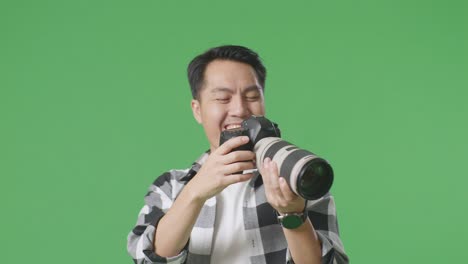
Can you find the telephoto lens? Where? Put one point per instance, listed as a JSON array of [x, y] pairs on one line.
[[307, 174]]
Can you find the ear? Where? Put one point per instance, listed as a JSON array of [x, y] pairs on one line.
[[196, 110]]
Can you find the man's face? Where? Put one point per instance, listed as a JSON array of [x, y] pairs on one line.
[[230, 93]]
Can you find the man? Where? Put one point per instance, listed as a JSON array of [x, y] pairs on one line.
[[210, 213]]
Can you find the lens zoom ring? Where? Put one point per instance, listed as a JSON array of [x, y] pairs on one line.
[[289, 162], [273, 149]]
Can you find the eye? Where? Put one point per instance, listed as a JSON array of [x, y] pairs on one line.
[[222, 99], [252, 98]]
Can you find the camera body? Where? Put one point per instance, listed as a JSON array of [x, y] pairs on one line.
[[256, 128]]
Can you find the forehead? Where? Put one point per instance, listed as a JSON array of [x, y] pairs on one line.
[[229, 74]]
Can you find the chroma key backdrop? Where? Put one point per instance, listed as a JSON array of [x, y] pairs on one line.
[[95, 104]]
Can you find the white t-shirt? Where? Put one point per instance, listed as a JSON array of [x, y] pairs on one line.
[[229, 239]]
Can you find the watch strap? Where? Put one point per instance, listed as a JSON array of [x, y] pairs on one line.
[[292, 220]]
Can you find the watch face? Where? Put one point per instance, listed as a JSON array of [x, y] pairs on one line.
[[292, 221]]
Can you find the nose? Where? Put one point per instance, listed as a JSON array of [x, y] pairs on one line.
[[239, 107]]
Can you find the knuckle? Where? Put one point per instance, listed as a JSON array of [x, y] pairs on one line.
[[236, 140], [238, 166], [236, 155], [239, 177]]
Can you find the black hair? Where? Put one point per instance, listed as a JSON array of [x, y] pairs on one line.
[[196, 68]]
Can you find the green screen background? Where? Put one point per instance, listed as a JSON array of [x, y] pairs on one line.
[[94, 105]]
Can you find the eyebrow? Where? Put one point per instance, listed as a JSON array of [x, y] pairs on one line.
[[225, 89], [221, 89]]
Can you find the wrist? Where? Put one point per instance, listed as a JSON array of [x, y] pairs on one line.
[[193, 195], [296, 209], [292, 220]]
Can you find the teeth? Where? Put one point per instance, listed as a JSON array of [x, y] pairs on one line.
[[233, 126]]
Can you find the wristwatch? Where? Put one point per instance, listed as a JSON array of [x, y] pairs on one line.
[[292, 220]]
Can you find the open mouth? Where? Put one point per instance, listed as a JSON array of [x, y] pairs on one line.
[[232, 126]]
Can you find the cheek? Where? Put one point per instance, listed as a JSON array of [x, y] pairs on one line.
[[258, 109], [214, 116]]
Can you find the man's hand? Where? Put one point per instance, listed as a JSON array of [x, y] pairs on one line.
[[277, 190], [217, 171]]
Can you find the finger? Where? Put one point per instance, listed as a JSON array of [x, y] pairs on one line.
[[274, 178], [235, 178], [238, 166], [286, 190], [231, 144], [271, 181], [264, 172], [241, 155]]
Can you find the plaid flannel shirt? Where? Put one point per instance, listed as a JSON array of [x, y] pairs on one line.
[[264, 234]]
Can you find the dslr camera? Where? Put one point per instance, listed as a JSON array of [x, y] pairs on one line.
[[308, 175]]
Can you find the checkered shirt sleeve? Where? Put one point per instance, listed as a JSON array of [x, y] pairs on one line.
[[322, 214], [140, 241]]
